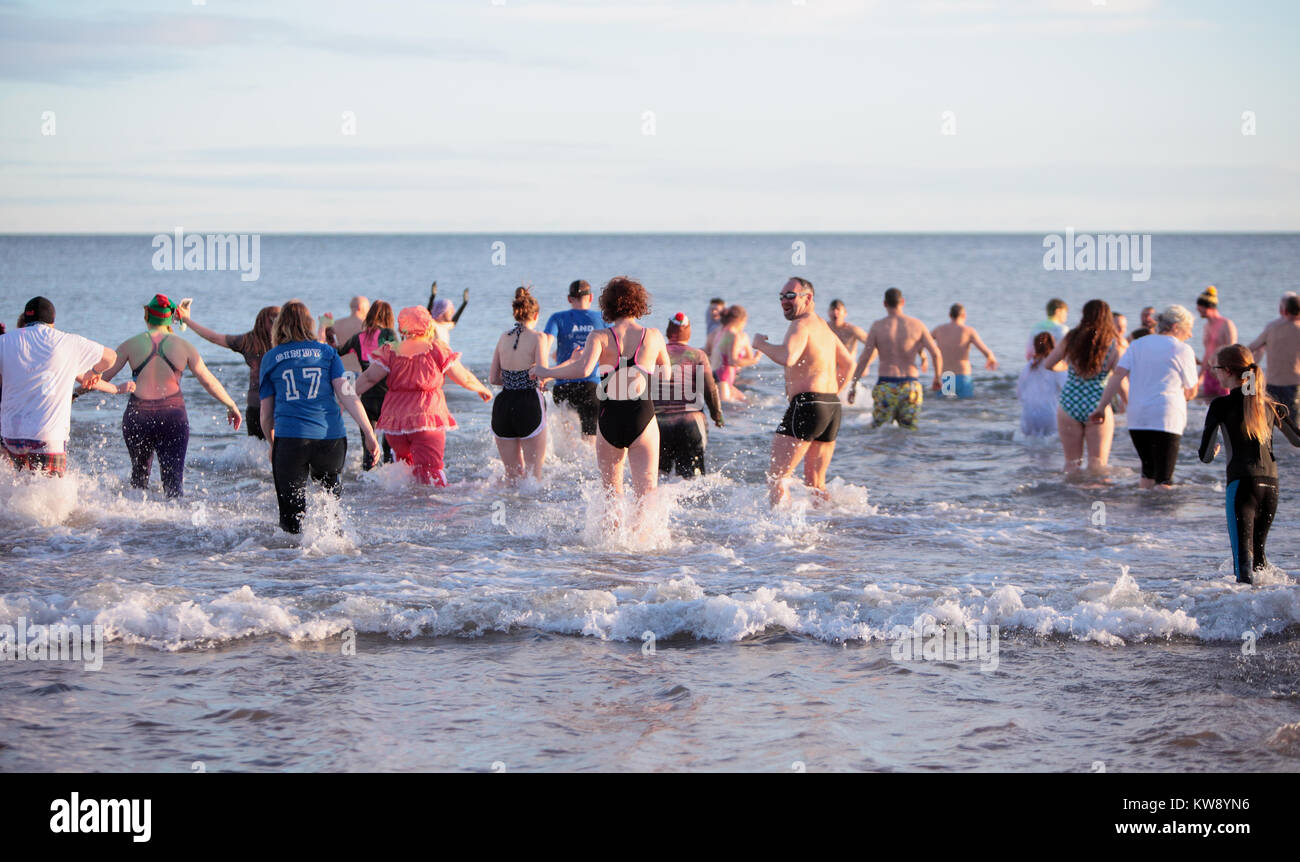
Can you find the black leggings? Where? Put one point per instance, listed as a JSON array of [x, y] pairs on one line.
[[1250, 504], [157, 425], [1159, 453], [293, 459], [682, 437]]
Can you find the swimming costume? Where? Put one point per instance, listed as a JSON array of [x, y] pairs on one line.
[[965, 386], [518, 412], [155, 351], [896, 399], [622, 420], [813, 416], [1210, 385], [727, 374], [157, 425], [1081, 395], [1158, 451]]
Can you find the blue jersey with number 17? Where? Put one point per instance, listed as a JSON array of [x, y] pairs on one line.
[[300, 375]]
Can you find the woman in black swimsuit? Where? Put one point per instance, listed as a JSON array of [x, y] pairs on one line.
[[1246, 416], [519, 412], [627, 355]]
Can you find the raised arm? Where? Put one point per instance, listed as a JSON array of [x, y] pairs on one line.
[[464, 301], [203, 332]]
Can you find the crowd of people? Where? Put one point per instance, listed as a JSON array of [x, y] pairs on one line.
[[641, 395]]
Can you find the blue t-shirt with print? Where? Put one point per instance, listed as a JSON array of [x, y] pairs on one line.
[[300, 375], [571, 329]]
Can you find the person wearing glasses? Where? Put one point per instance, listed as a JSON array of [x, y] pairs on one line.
[[897, 395], [816, 364]]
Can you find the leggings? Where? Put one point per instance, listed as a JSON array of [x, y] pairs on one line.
[[423, 450], [293, 459], [1251, 503], [157, 425]]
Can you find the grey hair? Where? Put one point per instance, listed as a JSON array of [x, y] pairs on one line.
[[1172, 317]]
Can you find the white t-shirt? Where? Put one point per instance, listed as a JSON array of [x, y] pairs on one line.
[[1159, 367], [40, 365]]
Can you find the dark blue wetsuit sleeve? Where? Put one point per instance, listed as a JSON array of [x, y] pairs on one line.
[[1212, 419]]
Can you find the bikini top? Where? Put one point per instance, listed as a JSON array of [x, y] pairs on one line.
[[517, 379], [156, 352]]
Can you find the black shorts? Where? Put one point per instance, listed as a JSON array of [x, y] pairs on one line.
[[253, 421], [812, 416], [518, 414], [581, 396], [1159, 453]]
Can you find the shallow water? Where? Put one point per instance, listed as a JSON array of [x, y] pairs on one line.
[[497, 625]]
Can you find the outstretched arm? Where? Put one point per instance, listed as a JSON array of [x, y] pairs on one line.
[[461, 375], [351, 403], [991, 361], [464, 301], [209, 382], [581, 364], [215, 337]]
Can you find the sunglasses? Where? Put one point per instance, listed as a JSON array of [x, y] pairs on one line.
[[789, 295]]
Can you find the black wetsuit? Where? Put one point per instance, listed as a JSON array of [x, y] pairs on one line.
[[1251, 493]]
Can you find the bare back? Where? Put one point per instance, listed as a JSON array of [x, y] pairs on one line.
[[955, 342], [157, 378], [1282, 352], [815, 349], [899, 339], [531, 349]]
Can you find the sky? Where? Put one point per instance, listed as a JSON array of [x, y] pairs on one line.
[[632, 115]]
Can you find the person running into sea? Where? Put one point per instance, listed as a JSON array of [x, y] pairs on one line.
[[897, 395], [815, 364], [415, 418], [717, 306], [570, 330], [156, 420], [681, 400], [377, 330], [444, 317], [955, 340], [252, 346], [1245, 418], [1090, 351], [519, 411], [629, 432], [1280, 342], [351, 323], [1161, 372], [736, 352], [302, 387], [39, 367], [1219, 333], [1039, 388]]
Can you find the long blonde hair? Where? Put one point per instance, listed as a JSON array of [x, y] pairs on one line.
[[294, 323], [1261, 410]]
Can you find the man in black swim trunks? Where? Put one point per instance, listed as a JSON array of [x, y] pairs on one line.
[[816, 367]]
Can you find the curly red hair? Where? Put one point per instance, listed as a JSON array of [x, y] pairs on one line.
[[624, 297]]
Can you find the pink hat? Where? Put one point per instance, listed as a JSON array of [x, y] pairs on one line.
[[414, 320]]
